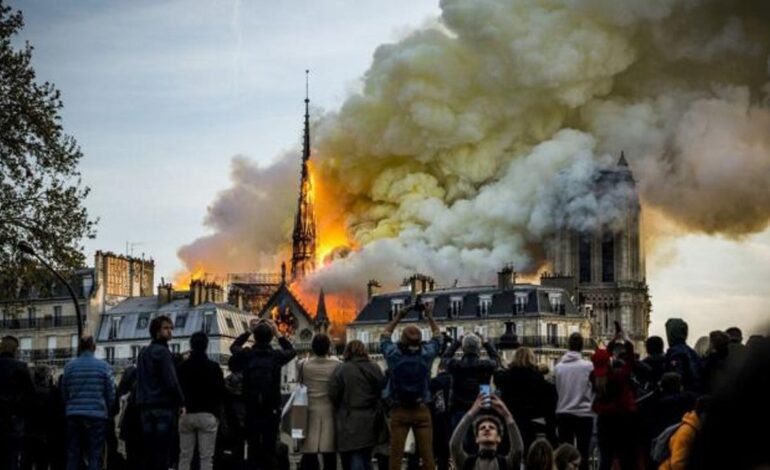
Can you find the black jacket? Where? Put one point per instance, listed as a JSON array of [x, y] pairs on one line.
[[245, 358], [468, 373], [203, 384], [16, 388], [156, 381]]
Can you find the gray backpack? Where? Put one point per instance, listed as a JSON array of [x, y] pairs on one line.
[[659, 450]]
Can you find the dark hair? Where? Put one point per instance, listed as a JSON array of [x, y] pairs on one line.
[[353, 349], [564, 455], [199, 341], [488, 418], [719, 340], [703, 404], [575, 342], [671, 382], [9, 345], [263, 333], [654, 345], [321, 344], [735, 334], [157, 323], [540, 456], [86, 343]]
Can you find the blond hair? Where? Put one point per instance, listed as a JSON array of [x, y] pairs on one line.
[[524, 357]]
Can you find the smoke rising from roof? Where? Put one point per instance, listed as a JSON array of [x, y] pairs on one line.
[[474, 138]]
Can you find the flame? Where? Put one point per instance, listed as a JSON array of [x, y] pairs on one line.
[[341, 308], [333, 236], [182, 279]]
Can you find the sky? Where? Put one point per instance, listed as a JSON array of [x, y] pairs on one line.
[[162, 95]]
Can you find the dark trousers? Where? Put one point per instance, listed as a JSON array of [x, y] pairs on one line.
[[418, 420], [616, 435], [85, 434], [11, 432], [359, 459], [576, 431], [159, 429], [37, 454], [310, 461], [261, 438]]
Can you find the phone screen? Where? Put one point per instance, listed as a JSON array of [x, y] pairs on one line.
[[484, 389]]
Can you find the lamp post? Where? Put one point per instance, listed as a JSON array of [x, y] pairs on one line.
[[27, 248]]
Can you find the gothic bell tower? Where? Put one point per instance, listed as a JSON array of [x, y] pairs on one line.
[[304, 237]]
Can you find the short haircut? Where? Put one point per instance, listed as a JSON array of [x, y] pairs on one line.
[[671, 382], [735, 334], [9, 344], [654, 345], [86, 343], [321, 344], [263, 333], [353, 349], [575, 342], [157, 323], [488, 418], [411, 336], [199, 341]]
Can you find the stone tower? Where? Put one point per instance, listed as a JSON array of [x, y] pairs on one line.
[[606, 265], [303, 257]]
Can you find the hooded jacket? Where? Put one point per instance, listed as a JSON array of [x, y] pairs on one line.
[[681, 358], [617, 393], [681, 443], [573, 385]]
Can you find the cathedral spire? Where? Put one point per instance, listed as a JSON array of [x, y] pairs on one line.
[[304, 236]]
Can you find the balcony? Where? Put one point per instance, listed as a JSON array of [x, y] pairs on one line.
[[46, 322], [56, 357]]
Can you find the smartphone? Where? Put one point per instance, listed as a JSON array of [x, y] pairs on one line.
[[485, 391]]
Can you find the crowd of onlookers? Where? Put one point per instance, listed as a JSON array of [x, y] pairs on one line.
[[668, 408]]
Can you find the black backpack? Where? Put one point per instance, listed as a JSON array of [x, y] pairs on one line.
[[260, 389], [410, 379]]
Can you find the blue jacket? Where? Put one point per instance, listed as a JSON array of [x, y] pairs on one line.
[[157, 385], [87, 387], [393, 354]]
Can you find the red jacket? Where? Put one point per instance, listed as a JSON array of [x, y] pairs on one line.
[[617, 393]]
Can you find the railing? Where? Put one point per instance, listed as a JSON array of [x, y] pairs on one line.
[[39, 323]]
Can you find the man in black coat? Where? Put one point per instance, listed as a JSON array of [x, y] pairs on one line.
[[261, 367], [16, 391], [158, 397]]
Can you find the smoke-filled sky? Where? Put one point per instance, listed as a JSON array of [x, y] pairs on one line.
[[451, 137]]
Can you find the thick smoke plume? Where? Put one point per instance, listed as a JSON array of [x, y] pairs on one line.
[[472, 140]]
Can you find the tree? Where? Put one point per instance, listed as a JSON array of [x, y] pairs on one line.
[[41, 193]]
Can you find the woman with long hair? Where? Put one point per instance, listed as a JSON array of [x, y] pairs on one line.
[[356, 391], [526, 394], [316, 374]]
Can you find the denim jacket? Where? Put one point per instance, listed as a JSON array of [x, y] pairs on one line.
[[429, 350]]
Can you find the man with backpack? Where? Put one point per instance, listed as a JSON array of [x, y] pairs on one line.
[[410, 364], [681, 358], [261, 366]]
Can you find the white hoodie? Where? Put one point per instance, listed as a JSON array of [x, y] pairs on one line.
[[573, 385]]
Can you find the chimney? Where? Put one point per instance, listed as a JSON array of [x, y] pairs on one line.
[[431, 284], [235, 297], [506, 278], [413, 284], [372, 289], [165, 293], [196, 292]]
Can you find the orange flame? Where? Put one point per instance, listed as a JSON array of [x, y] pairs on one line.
[[333, 236], [182, 279]]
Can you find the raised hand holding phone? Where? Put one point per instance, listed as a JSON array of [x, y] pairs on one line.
[[485, 390]]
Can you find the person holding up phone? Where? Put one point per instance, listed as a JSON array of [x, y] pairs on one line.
[[489, 425]]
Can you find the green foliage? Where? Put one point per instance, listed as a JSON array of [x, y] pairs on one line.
[[41, 194]]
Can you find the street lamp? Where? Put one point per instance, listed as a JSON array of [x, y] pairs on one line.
[[27, 248]]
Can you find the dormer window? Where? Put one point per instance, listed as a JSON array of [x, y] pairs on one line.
[[556, 302], [114, 327], [520, 302], [455, 306], [485, 303], [396, 306]]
